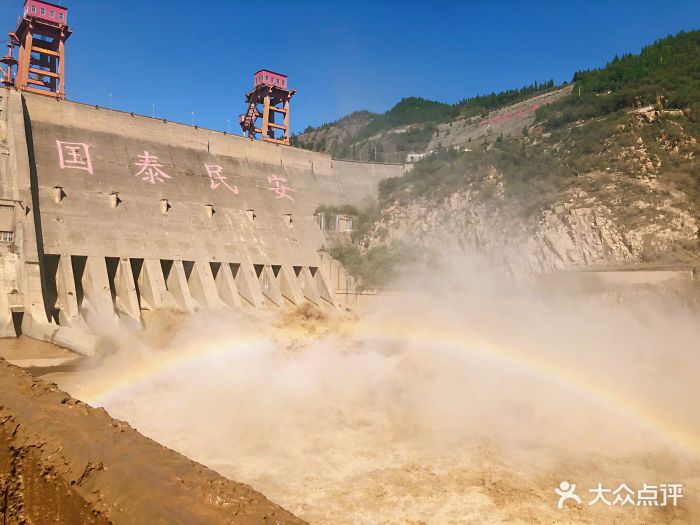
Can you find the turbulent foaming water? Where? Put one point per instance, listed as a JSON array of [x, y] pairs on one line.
[[461, 399]]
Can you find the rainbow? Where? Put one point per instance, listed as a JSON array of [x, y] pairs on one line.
[[181, 358]]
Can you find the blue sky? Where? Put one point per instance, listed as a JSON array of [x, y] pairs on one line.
[[199, 57]]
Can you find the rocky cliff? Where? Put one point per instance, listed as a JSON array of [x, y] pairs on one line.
[[604, 178], [582, 229]]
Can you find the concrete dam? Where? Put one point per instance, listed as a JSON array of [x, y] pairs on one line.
[[105, 214]]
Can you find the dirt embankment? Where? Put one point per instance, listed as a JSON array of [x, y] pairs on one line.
[[62, 461]]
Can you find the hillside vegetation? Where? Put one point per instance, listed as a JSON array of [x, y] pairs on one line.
[[405, 128], [621, 149], [667, 71]]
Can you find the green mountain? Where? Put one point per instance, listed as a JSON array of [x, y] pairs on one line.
[[604, 170], [408, 127], [665, 73]]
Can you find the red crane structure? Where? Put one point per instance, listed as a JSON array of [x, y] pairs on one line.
[[8, 63], [41, 36], [268, 98]]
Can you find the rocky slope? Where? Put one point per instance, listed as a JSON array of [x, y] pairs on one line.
[[602, 179], [417, 125], [507, 121], [601, 217], [330, 137], [582, 229]]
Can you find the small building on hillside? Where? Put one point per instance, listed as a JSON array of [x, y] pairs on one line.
[[414, 157]]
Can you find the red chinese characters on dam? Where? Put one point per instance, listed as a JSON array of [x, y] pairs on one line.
[[150, 169], [280, 188], [76, 155], [216, 178], [505, 118]]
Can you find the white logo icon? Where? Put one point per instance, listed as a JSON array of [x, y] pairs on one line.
[[566, 491]]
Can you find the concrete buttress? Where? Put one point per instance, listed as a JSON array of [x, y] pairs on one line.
[[308, 286], [226, 286], [203, 287], [97, 296], [179, 288], [289, 285]]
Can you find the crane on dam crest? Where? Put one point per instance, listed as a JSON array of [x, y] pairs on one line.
[[41, 36], [271, 94]]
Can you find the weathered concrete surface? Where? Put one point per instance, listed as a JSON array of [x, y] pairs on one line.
[[113, 214], [62, 461], [84, 223]]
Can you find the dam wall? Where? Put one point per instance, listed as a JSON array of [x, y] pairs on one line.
[[113, 213], [360, 176]]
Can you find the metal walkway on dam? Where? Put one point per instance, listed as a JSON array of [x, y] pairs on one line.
[[106, 214]]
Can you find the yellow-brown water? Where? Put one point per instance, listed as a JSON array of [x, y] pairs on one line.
[[463, 402]]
